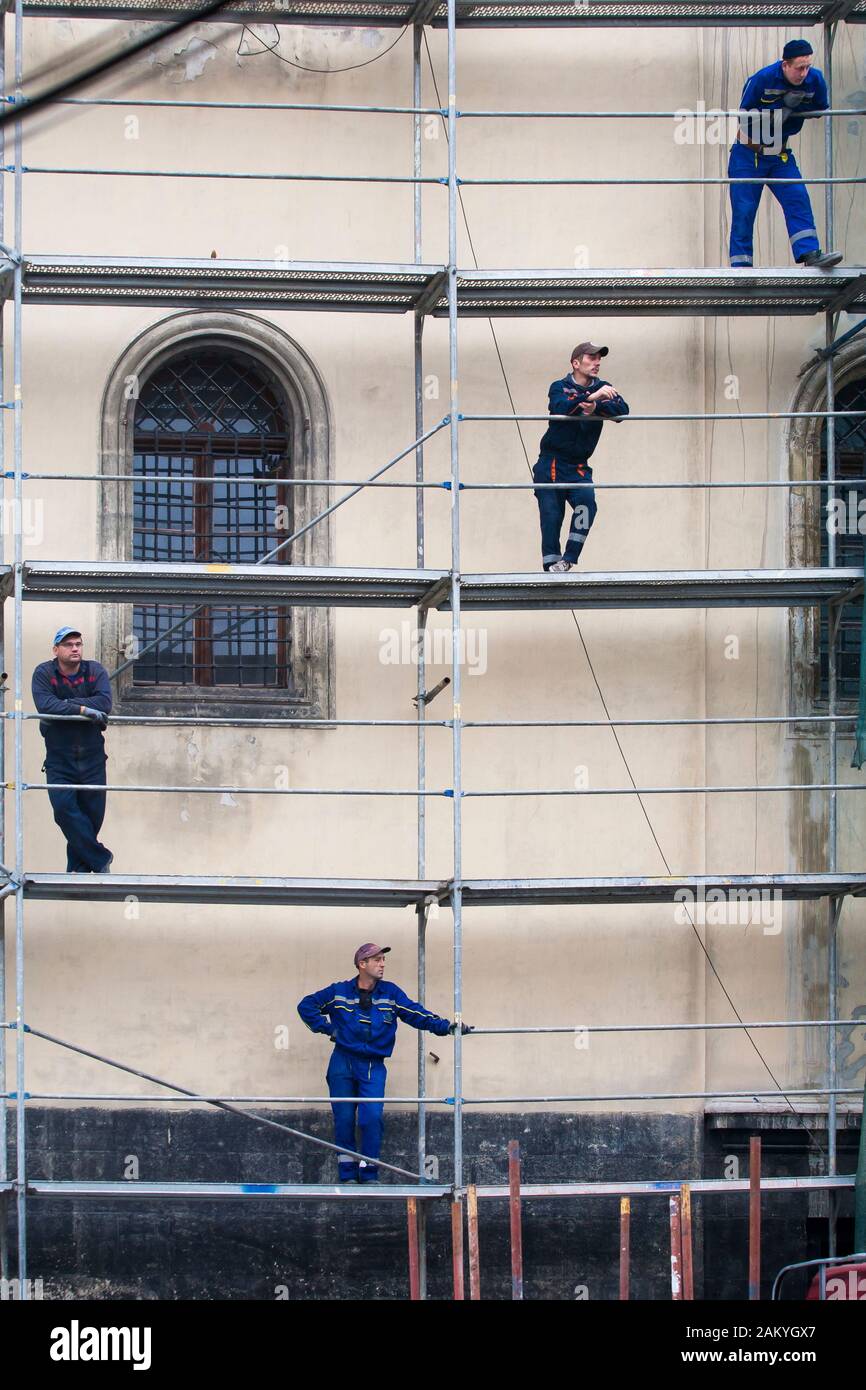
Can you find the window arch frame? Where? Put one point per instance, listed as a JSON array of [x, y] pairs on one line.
[[308, 418], [805, 518]]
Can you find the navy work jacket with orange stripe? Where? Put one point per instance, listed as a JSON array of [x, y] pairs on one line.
[[336, 1011], [577, 441]]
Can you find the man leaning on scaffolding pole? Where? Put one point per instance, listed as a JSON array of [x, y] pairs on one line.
[[360, 1017], [565, 451], [776, 101]]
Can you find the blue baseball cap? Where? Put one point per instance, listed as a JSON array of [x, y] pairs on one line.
[[65, 632]]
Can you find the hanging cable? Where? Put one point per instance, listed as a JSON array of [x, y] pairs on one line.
[[293, 63]]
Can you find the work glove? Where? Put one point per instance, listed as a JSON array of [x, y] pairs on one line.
[[95, 716], [464, 1028]]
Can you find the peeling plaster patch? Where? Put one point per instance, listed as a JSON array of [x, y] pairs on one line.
[[227, 800], [184, 815], [187, 61]]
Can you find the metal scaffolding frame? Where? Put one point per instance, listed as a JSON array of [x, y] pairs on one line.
[[443, 291]]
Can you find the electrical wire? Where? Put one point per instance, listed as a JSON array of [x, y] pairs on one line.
[[292, 63]]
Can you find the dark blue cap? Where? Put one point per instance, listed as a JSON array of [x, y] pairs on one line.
[[796, 48]]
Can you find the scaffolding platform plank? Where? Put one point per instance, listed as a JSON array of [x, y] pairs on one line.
[[399, 288], [210, 1191], [401, 893], [294, 586], [602, 290], [132, 582], [470, 13], [657, 589], [493, 892], [194, 283], [230, 890]]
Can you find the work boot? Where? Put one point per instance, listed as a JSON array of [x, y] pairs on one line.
[[822, 260], [106, 868]]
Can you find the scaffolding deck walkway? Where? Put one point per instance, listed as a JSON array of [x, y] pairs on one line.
[[136, 582], [399, 288], [474, 13], [482, 892]]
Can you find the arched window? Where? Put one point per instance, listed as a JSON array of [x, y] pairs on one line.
[[227, 409], [847, 517], [206, 415]]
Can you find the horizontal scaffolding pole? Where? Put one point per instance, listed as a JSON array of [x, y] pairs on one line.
[[138, 1190], [183, 720], [782, 1093], [534, 182], [126, 102], [747, 719], [669, 791], [588, 183], [682, 415], [698, 113], [444, 484], [678, 1027], [252, 178], [704, 1187], [839, 485], [446, 791], [316, 1192]]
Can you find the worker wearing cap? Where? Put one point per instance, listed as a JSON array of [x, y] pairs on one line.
[[566, 449], [777, 100], [360, 1017], [74, 748]]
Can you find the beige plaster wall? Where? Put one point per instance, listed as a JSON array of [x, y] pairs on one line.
[[197, 993]]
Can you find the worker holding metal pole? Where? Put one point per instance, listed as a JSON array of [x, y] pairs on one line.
[[75, 748], [774, 104], [565, 451], [360, 1017]]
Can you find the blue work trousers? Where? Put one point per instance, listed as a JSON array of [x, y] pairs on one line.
[[551, 507], [745, 197], [349, 1075], [79, 814]]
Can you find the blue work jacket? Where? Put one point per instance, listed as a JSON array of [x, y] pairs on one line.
[[336, 1011], [577, 441], [770, 90]]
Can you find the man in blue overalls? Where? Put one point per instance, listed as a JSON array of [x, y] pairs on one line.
[[566, 449], [777, 98], [360, 1017], [75, 748]]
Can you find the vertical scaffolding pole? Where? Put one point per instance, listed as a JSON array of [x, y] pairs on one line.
[[418, 32], [832, 630], [454, 406], [4, 1109], [21, 1155]]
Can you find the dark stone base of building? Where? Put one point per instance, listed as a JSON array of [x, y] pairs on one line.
[[268, 1248]]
